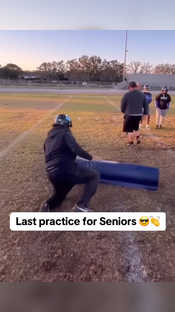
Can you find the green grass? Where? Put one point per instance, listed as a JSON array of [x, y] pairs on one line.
[[32, 95], [86, 104], [78, 102]]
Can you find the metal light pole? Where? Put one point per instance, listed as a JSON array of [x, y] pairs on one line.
[[126, 43]]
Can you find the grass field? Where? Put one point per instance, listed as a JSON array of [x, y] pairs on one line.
[[85, 256]]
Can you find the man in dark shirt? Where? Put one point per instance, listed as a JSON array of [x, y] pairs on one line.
[[61, 149], [133, 106], [163, 101]]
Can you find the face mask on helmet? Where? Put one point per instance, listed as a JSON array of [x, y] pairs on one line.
[[164, 89], [146, 88], [63, 120]]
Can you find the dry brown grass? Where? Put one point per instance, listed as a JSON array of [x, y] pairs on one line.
[[55, 256], [18, 115]]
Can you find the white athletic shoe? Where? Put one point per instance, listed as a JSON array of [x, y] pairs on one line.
[[44, 207], [140, 126], [147, 127], [81, 208]]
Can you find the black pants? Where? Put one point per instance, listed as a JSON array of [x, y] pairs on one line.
[[65, 177]]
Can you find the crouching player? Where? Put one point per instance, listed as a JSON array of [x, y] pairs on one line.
[[61, 149]]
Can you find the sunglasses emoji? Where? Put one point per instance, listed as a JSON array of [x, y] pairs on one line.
[[144, 221]]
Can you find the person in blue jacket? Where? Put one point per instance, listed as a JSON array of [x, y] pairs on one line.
[[148, 95]]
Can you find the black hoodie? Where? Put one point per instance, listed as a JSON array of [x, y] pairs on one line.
[[61, 146]]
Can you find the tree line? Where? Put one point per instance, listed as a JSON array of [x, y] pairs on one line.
[[85, 68], [147, 68]]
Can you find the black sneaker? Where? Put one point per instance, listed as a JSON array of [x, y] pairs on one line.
[[157, 127], [129, 143], [81, 208], [160, 127], [138, 141], [44, 207]]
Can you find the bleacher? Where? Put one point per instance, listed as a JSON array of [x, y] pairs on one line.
[[154, 81]]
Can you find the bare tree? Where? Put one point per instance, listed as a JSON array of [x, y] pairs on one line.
[[138, 67], [146, 68], [134, 67], [165, 69]]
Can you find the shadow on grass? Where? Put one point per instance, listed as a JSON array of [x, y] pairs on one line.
[[172, 129], [163, 136]]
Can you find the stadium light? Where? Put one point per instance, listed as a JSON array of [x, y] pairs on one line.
[[126, 43]]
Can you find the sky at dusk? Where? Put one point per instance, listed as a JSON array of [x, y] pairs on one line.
[[29, 48]]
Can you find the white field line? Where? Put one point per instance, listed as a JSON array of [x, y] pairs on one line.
[[171, 152], [160, 143], [26, 133], [153, 137], [110, 102], [132, 256], [137, 272], [131, 253]]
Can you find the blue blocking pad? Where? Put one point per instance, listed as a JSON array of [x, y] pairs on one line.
[[124, 175]]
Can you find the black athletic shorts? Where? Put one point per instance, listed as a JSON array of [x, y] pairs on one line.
[[131, 123]]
